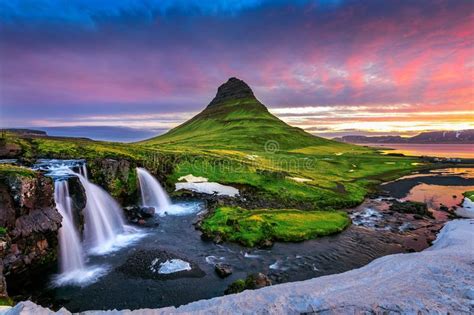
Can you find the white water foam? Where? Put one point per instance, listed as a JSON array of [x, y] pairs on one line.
[[152, 194]]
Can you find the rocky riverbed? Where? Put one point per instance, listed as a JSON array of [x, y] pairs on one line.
[[436, 280]]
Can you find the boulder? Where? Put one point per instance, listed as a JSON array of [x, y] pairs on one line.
[[257, 281], [223, 270], [252, 282]]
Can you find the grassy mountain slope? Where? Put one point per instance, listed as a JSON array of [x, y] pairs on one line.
[[236, 120], [236, 140]]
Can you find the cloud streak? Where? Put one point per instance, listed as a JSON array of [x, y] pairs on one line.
[[63, 63]]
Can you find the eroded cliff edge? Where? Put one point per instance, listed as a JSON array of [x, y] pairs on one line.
[[438, 280]]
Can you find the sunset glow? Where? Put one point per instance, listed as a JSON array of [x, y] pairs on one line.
[[331, 67]]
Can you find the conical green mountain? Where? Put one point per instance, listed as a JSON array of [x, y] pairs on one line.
[[235, 119]]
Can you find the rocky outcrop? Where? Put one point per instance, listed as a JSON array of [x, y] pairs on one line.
[[438, 280], [29, 222], [231, 90], [223, 270], [117, 176]]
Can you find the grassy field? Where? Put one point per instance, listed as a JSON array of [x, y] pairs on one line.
[[251, 228], [469, 195]]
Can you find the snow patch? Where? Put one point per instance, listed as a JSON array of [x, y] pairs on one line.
[[209, 188], [467, 209], [190, 178], [170, 266]]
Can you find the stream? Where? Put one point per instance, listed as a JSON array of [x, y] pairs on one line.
[[130, 280]]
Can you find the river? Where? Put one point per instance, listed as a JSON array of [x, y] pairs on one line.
[[130, 283]]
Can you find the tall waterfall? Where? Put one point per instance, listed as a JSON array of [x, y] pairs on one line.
[[70, 248], [153, 195], [103, 216]]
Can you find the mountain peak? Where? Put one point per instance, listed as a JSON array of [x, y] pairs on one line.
[[233, 89]]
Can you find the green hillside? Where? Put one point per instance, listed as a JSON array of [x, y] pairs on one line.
[[236, 120], [236, 140]]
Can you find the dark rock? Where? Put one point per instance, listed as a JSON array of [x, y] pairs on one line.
[[218, 239], [30, 220], [443, 208], [257, 281], [3, 283], [413, 207], [117, 176], [252, 282], [141, 215], [223, 270], [231, 90], [266, 244], [139, 265]]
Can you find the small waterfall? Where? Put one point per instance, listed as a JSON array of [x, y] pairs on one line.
[[83, 171], [70, 248], [153, 195], [103, 216]]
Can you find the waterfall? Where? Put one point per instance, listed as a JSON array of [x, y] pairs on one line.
[[70, 248], [153, 195], [83, 170], [103, 217]]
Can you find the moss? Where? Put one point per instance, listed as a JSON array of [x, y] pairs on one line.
[[6, 301], [469, 195], [252, 228], [6, 169], [236, 287]]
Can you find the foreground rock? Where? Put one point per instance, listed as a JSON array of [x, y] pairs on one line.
[[29, 225], [437, 280], [223, 270]]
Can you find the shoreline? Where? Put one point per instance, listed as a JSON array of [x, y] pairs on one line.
[[438, 279]]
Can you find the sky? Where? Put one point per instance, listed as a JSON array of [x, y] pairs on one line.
[[123, 69]]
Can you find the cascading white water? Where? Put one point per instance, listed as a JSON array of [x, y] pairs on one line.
[[153, 195], [83, 170], [103, 217], [70, 248]]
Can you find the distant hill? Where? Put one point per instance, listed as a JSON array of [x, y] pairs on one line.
[[25, 132], [235, 119], [446, 137]]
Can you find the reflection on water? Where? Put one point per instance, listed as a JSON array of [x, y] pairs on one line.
[[438, 150], [436, 195], [462, 172]]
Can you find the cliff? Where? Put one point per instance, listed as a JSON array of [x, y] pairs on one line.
[[29, 223]]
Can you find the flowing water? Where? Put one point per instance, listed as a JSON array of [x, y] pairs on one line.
[[152, 194], [71, 254], [103, 216], [104, 224], [131, 281]]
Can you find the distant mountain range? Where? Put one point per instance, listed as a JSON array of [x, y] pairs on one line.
[[446, 137]]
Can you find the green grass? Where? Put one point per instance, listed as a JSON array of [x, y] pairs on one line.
[[6, 301], [6, 169], [469, 195], [251, 228]]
